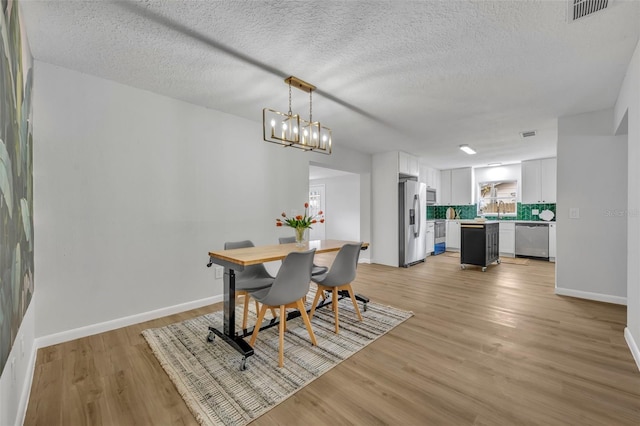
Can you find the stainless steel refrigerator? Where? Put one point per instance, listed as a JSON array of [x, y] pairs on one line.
[[413, 222]]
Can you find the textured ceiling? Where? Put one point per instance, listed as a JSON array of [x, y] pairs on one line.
[[418, 76]]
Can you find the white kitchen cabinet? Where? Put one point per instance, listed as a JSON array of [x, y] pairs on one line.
[[444, 198], [433, 178], [461, 185], [430, 238], [408, 164], [507, 239], [422, 177], [453, 235], [530, 182], [548, 180], [456, 187], [552, 241], [539, 181], [429, 176]]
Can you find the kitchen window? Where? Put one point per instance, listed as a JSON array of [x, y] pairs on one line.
[[497, 198]]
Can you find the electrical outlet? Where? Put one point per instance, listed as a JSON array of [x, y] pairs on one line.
[[574, 213], [535, 212], [219, 271]]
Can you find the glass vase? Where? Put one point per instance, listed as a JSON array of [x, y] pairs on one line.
[[301, 237]]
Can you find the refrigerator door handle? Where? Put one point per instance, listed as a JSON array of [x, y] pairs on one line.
[[416, 201]]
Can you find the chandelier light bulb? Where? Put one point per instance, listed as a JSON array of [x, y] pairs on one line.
[[273, 123], [295, 130], [284, 126]]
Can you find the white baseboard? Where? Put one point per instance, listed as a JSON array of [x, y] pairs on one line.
[[361, 260], [632, 346], [26, 388], [598, 297], [77, 333]]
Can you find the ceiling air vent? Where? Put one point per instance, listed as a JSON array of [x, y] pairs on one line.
[[581, 8], [528, 134]]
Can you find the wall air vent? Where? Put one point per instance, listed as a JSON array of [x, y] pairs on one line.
[[581, 8], [528, 134]]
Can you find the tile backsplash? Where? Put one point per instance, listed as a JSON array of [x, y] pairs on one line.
[[470, 211]]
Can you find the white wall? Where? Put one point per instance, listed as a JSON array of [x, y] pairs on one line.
[[384, 202], [627, 118], [133, 189], [592, 176], [342, 207]]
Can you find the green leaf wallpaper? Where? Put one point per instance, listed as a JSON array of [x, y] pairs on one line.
[[16, 177]]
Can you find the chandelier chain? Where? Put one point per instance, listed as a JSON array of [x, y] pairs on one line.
[[290, 113], [310, 106]]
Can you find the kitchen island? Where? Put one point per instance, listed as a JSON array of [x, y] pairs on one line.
[[479, 243]]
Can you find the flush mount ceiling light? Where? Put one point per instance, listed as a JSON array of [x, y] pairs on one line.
[[494, 164], [467, 149], [288, 129]]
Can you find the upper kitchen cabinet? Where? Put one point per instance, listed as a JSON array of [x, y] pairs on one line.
[[430, 176], [444, 196], [408, 165], [461, 184], [539, 181], [456, 186]]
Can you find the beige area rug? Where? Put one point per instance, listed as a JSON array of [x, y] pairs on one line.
[[208, 375], [510, 260]]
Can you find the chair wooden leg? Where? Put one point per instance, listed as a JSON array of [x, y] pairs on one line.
[[307, 323], [256, 329], [353, 300], [273, 313], [334, 302], [283, 316], [315, 302]]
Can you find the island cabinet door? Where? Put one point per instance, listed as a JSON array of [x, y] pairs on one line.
[[473, 245], [493, 243]]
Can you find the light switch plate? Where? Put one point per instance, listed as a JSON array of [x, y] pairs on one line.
[[574, 213], [219, 271]]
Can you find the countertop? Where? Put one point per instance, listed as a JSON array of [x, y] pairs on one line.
[[477, 222], [493, 221]]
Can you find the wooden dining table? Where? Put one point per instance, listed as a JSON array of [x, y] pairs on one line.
[[236, 260]]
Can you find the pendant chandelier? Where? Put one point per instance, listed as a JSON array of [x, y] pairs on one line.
[[288, 129]]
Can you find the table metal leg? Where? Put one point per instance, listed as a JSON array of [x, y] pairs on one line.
[[228, 333], [229, 324]]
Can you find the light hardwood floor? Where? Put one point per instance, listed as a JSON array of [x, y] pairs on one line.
[[492, 348]]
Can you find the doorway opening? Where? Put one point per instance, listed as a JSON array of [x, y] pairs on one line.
[[337, 194]]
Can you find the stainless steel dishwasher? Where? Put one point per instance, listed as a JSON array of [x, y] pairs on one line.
[[532, 240]]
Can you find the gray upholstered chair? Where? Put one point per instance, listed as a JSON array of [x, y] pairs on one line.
[[339, 277], [316, 270], [254, 277], [288, 290]]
